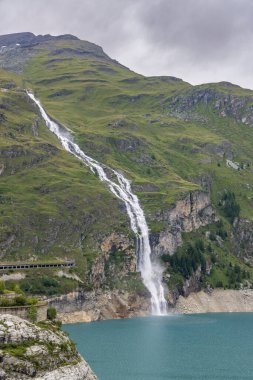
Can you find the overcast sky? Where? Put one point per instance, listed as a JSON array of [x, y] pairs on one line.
[[197, 40]]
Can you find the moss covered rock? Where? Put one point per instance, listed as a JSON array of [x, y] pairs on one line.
[[39, 352]]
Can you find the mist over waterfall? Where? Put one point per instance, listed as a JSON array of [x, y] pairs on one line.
[[151, 272]]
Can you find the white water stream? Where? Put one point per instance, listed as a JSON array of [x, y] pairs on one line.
[[151, 272]]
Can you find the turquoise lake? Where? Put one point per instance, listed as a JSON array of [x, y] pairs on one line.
[[206, 346]]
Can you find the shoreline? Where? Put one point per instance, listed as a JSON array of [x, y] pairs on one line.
[[216, 301]]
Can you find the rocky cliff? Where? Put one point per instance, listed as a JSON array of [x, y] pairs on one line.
[[243, 238], [222, 101], [188, 214], [41, 353], [98, 305]]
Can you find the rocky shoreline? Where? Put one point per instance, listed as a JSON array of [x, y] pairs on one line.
[[99, 305], [115, 306], [41, 352], [216, 301]]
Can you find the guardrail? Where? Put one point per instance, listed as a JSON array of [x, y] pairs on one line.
[[67, 264]]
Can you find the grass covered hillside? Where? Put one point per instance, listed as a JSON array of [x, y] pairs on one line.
[[158, 130], [51, 206], [168, 137]]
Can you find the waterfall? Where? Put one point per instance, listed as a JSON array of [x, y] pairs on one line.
[[151, 272]]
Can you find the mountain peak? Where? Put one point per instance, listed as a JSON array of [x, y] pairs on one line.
[[28, 38]]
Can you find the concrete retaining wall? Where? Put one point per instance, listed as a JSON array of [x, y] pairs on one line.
[[23, 311]]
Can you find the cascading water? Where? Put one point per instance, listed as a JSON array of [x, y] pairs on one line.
[[151, 272]]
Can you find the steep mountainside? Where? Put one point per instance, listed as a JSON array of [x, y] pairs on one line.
[[186, 149]]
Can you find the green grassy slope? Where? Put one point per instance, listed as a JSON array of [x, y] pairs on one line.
[[129, 122], [51, 205], [110, 109]]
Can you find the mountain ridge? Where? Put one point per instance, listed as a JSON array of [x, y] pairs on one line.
[[26, 38]]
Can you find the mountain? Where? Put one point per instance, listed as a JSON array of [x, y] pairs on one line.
[[186, 149]]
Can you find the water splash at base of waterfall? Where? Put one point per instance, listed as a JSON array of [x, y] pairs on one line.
[[151, 272]]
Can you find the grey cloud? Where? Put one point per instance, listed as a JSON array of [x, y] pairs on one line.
[[202, 28], [198, 40]]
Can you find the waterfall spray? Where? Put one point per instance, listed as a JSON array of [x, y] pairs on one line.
[[151, 272]]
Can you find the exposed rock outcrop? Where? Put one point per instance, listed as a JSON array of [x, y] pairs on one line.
[[99, 305], [190, 213], [243, 238], [28, 351], [225, 104], [117, 258]]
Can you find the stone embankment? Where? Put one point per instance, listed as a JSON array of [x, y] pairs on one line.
[[30, 352], [23, 311]]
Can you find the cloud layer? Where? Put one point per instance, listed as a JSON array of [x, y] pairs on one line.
[[197, 40]]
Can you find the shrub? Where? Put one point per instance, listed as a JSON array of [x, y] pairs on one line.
[[221, 230], [188, 261], [2, 287], [51, 313], [236, 275], [17, 289], [5, 302], [212, 236], [32, 313], [213, 258], [32, 301], [222, 233], [58, 324], [48, 282], [199, 245], [229, 206], [219, 284], [20, 300]]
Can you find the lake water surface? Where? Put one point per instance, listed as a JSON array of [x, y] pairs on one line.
[[205, 346]]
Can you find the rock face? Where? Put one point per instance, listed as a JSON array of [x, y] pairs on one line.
[[243, 237], [28, 351], [190, 213], [99, 305], [117, 258], [239, 108]]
